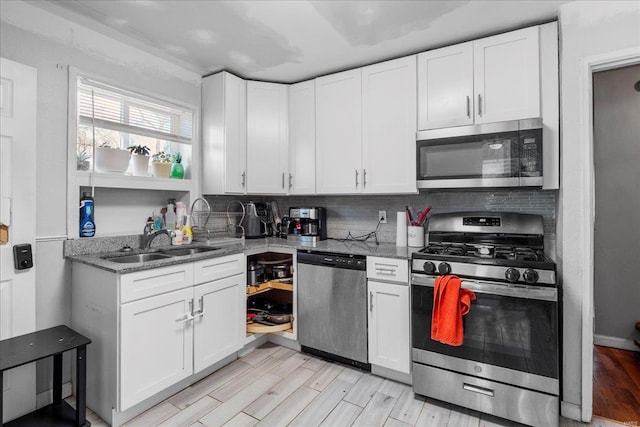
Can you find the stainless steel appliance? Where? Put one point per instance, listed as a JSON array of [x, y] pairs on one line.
[[257, 220], [504, 154], [332, 307], [508, 364], [307, 225]]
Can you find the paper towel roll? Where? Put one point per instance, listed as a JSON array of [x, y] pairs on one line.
[[401, 229]]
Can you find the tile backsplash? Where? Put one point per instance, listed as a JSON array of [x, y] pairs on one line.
[[358, 214]]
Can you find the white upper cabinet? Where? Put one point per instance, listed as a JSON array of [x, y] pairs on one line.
[[446, 87], [339, 133], [224, 134], [487, 80], [507, 76], [267, 138], [388, 126], [302, 138]]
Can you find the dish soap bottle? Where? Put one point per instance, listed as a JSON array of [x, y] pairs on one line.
[[170, 217], [87, 223]]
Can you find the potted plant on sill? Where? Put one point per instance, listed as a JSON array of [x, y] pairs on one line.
[[82, 160], [177, 169], [111, 159], [161, 165], [139, 160]]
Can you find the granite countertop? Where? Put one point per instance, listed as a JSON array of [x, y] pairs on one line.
[[387, 250]]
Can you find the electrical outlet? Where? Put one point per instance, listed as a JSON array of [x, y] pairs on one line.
[[382, 217]]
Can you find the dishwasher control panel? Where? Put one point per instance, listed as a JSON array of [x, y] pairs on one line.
[[352, 262]]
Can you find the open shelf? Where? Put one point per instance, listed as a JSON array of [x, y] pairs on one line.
[[257, 328], [267, 286]]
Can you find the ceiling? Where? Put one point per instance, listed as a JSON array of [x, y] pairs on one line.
[[289, 41]]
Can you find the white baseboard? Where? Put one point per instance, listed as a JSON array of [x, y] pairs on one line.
[[46, 397], [570, 410], [614, 342]]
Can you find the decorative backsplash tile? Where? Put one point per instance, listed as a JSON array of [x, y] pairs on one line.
[[359, 214]]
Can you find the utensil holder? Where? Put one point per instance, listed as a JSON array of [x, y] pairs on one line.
[[415, 236]]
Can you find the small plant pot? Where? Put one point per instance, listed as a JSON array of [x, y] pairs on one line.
[[177, 171], [140, 164], [160, 169], [111, 160]]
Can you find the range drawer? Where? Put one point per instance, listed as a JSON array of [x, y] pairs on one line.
[[388, 269], [491, 397], [218, 268]]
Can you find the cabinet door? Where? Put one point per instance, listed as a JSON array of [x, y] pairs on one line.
[[267, 140], [156, 345], [224, 134], [302, 138], [507, 76], [219, 320], [389, 344], [339, 133], [389, 126], [445, 87]]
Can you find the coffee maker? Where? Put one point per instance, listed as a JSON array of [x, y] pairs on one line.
[[307, 225]]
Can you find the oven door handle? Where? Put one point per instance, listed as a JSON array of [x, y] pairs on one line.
[[507, 290]]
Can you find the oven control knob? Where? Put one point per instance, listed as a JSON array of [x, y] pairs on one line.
[[530, 276], [429, 267], [512, 274], [444, 268]]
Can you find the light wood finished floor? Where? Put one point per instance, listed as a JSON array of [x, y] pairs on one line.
[[275, 386], [616, 384]]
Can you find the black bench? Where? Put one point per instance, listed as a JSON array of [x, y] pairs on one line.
[[23, 349]]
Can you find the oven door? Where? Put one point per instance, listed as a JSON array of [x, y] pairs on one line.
[[510, 334]]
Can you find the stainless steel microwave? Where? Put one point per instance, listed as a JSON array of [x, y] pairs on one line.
[[504, 154]]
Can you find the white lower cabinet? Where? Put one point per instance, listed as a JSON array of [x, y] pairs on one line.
[[388, 303], [156, 345], [151, 329], [218, 329]]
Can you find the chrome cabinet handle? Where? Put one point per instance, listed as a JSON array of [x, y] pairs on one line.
[[387, 271], [476, 389], [283, 180], [244, 176], [370, 301], [290, 181], [479, 105], [468, 107], [364, 178], [356, 178], [200, 311]]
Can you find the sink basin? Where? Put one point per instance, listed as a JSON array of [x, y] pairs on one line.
[[187, 251], [128, 259]]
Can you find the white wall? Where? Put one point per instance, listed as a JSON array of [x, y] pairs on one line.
[[586, 28], [34, 37]]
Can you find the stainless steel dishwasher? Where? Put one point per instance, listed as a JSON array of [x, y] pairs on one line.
[[332, 306]]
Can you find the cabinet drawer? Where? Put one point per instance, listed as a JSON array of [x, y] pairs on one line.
[[143, 284], [218, 268], [388, 269]]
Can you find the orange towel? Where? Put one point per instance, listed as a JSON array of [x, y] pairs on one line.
[[450, 303]]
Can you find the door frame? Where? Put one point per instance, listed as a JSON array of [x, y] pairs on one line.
[[589, 66]]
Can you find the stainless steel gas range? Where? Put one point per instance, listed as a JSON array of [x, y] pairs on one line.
[[508, 364]]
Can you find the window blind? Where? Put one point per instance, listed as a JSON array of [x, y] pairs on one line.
[[116, 109]]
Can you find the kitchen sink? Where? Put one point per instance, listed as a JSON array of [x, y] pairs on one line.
[[128, 259], [187, 251]]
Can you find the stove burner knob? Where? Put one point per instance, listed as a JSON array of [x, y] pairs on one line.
[[429, 267], [444, 268], [512, 275], [530, 276]]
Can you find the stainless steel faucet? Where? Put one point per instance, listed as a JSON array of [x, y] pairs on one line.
[[148, 237]]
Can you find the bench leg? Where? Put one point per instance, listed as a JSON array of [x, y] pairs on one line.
[[81, 386], [57, 378]]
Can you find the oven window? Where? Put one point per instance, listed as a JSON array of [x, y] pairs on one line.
[[514, 333], [491, 156]]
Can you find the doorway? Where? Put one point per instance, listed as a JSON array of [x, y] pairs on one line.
[[616, 154]]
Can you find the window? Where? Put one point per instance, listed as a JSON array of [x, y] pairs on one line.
[[116, 118]]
